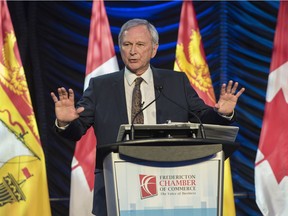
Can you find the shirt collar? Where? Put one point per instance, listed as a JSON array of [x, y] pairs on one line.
[[130, 77]]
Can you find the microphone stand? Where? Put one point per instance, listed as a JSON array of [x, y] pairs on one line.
[[201, 126], [159, 89], [132, 127]]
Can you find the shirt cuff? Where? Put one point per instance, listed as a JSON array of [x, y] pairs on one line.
[[228, 117], [60, 128]]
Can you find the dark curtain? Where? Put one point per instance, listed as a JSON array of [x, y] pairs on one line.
[[238, 41]]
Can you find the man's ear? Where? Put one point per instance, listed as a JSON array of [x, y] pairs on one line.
[[154, 50]]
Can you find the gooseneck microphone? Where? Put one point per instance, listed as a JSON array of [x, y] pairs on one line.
[[201, 126], [132, 128]]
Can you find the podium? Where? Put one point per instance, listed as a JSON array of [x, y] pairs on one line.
[[167, 170]]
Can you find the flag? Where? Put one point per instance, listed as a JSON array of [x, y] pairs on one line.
[[23, 180], [101, 59], [190, 58], [271, 164]]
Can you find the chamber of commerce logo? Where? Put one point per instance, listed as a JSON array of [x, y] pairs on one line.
[[148, 186]]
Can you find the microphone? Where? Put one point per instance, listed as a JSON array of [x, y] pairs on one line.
[[201, 126], [132, 128]]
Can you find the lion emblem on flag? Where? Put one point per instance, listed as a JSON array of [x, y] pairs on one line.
[[194, 64]]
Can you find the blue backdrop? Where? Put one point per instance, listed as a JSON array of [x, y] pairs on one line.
[[238, 41]]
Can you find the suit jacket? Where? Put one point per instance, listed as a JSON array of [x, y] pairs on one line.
[[105, 109]]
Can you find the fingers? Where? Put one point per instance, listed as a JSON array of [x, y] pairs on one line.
[[234, 88], [71, 94], [63, 95], [226, 89], [223, 89], [240, 92], [231, 89], [229, 86], [80, 109], [54, 98]]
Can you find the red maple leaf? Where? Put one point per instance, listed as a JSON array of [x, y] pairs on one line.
[[274, 136]]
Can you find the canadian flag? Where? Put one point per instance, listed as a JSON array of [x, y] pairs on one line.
[[271, 165], [101, 59]]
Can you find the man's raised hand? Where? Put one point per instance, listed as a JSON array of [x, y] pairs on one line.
[[65, 110], [228, 98]]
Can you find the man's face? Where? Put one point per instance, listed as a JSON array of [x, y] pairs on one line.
[[137, 49]]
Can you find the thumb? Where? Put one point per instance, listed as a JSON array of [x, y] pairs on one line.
[[79, 110]]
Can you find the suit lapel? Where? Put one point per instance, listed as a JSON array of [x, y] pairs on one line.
[[120, 98], [158, 81]]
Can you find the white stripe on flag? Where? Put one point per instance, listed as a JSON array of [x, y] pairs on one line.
[[271, 197], [82, 206], [105, 68]]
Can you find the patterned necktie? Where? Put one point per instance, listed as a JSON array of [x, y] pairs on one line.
[[136, 103]]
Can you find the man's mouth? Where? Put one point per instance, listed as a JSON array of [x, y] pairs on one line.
[[133, 60]]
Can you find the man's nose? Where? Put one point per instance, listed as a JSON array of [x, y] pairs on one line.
[[133, 49]]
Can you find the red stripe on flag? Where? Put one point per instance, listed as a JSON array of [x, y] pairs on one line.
[[85, 154], [280, 50], [101, 47]]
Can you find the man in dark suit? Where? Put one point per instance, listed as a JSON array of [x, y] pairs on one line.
[[106, 104]]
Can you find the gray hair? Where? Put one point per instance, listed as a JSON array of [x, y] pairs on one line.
[[136, 22]]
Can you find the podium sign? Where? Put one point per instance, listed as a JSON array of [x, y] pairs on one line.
[[167, 169], [147, 188]]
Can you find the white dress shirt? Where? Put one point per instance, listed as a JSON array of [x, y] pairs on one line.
[[147, 91]]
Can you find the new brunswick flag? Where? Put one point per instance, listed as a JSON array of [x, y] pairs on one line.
[[23, 182], [190, 58]]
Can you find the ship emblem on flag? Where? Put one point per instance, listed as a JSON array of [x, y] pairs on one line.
[[11, 189]]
